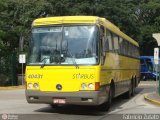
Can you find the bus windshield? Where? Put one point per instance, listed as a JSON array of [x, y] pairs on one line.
[[64, 45]]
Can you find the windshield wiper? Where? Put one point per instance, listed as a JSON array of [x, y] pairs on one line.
[[44, 59], [73, 59]]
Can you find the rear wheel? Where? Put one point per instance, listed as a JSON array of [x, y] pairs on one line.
[[128, 94], [133, 87]]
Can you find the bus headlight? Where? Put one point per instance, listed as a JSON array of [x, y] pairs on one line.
[[91, 86], [84, 86], [35, 85], [30, 85]]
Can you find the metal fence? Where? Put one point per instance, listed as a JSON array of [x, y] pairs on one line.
[[8, 70]]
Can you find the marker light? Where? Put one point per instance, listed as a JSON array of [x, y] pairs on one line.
[[84, 86], [91, 86], [30, 85], [97, 86], [35, 85]]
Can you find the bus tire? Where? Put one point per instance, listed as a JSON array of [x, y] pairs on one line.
[[133, 87], [106, 106], [128, 94]]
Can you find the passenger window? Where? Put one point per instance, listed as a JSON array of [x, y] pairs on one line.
[[109, 38], [105, 44], [129, 49], [116, 43], [121, 45], [137, 52], [125, 48]]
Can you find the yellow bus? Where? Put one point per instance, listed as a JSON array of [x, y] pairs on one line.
[[80, 60]]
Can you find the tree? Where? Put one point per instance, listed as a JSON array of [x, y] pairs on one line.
[[148, 18], [16, 18], [137, 18]]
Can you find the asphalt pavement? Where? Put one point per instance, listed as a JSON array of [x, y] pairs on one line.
[[14, 106]]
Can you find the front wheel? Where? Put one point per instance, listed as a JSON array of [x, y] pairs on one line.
[[105, 106]]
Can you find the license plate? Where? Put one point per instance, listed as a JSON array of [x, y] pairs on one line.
[[59, 101]]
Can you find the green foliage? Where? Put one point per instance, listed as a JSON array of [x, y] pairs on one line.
[[137, 18], [148, 17]]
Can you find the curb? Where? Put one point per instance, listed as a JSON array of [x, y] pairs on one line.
[[12, 87], [151, 100]]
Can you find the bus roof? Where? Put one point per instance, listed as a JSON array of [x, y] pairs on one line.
[[82, 20]]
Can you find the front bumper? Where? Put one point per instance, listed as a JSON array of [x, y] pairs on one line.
[[74, 98]]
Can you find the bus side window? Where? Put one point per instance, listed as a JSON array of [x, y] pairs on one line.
[[121, 45], [116, 43], [106, 41], [126, 52], [132, 50], [109, 39], [137, 52], [129, 49], [103, 42]]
